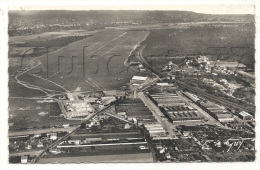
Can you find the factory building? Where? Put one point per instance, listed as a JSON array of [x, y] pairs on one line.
[[225, 64], [217, 112], [76, 108], [155, 130], [117, 93], [136, 81], [136, 111], [166, 99], [191, 96], [245, 116], [181, 114]]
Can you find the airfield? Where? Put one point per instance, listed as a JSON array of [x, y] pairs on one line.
[[105, 59]]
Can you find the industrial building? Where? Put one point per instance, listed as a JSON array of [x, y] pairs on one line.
[[181, 114], [116, 93], [216, 111], [191, 96], [225, 64], [245, 116], [155, 130], [137, 80], [76, 108], [203, 59], [135, 110], [166, 99]]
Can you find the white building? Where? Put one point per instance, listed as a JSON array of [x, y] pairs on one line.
[[24, 159], [245, 116]]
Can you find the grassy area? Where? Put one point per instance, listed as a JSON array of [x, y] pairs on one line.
[[26, 113], [55, 42], [110, 50]]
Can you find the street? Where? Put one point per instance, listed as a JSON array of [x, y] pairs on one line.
[[157, 114]]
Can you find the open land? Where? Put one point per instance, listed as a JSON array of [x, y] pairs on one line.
[[34, 115], [196, 40], [110, 51]]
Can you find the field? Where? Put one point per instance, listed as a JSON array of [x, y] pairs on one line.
[[104, 62], [30, 113], [47, 36], [195, 40]]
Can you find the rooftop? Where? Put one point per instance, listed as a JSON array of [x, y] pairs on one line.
[[139, 78], [243, 113]]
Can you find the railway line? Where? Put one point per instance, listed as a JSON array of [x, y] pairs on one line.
[[201, 93]]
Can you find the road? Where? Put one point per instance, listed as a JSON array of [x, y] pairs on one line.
[[157, 113], [28, 132]]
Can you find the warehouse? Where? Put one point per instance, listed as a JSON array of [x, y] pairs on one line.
[[116, 93], [217, 112], [225, 64], [192, 97], [245, 116], [155, 130], [166, 99], [181, 114], [136, 111]]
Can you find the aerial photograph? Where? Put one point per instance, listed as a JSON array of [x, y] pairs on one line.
[[131, 86]]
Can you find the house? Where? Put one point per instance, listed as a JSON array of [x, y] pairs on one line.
[[75, 142], [24, 159], [66, 125], [53, 136], [127, 126], [168, 156], [36, 135], [29, 147], [40, 145]]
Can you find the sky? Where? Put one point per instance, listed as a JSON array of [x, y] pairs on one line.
[[208, 9]]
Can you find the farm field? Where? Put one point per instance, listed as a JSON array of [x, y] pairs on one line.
[[105, 54]]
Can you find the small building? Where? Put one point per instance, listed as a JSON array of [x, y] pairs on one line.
[[66, 125], [75, 142], [70, 97], [24, 159], [245, 116], [10, 124], [135, 120], [92, 140], [53, 136], [203, 59], [40, 145], [127, 126], [29, 147]]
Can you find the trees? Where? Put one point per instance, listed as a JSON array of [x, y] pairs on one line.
[[83, 125]]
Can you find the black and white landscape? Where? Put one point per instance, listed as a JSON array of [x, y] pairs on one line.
[[91, 86]]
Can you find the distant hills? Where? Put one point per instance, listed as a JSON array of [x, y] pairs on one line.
[[109, 18]]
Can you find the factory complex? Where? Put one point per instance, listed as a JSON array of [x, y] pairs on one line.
[[181, 114]]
